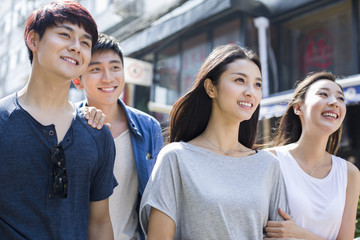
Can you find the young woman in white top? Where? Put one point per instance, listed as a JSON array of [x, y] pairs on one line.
[[323, 190], [209, 183]]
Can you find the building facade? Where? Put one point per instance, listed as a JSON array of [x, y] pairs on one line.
[[291, 37]]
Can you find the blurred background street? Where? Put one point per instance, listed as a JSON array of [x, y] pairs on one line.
[[166, 41]]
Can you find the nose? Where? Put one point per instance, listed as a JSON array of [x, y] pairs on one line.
[[333, 101], [75, 46], [249, 91], [106, 77]]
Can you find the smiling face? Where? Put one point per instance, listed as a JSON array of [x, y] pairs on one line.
[[323, 107], [103, 81], [238, 92], [63, 50]]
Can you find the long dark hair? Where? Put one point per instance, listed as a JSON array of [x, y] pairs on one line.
[[191, 113], [289, 130]]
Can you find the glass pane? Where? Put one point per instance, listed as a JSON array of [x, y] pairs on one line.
[[194, 54], [227, 33], [320, 40], [167, 72]]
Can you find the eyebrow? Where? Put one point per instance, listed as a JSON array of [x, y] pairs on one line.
[[86, 35], [96, 63], [340, 92], [244, 75]]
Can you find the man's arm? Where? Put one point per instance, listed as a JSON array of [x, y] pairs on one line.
[[100, 227]]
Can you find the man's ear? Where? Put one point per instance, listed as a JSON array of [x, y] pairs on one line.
[[32, 40], [210, 89], [77, 82]]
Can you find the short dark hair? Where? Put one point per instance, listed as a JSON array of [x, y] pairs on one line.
[[106, 42], [58, 12], [290, 129], [191, 113]]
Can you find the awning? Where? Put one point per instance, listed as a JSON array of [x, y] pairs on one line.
[[275, 106], [147, 31]]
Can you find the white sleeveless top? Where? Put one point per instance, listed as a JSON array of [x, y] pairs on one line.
[[315, 204]]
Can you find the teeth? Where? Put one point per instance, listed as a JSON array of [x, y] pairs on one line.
[[244, 104], [108, 89], [70, 60], [332, 115]]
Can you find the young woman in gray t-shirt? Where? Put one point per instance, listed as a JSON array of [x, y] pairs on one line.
[[209, 182]]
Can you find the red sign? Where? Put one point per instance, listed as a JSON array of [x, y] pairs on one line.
[[316, 51]]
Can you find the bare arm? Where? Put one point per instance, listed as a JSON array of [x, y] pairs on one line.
[[347, 228], [288, 229], [100, 227], [161, 226]]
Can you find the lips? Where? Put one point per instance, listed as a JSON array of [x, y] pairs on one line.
[[70, 60]]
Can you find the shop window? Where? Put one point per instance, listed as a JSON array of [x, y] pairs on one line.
[[251, 35], [319, 40], [194, 54], [166, 82], [227, 33], [167, 74]]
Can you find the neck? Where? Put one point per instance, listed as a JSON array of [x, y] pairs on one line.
[[224, 136], [46, 92], [311, 149]]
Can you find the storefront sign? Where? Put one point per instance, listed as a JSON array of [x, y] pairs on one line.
[[138, 72]]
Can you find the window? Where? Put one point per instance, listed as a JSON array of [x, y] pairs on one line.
[[227, 33], [194, 54], [167, 73], [319, 40]]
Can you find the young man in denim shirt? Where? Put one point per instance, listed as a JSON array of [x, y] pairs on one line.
[[57, 171], [137, 135]]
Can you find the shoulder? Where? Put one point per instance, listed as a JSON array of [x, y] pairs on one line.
[[265, 159], [169, 157], [83, 127], [172, 152], [8, 103], [353, 173], [7, 107], [172, 148], [140, 116]]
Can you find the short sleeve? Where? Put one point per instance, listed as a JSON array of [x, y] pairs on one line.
[[104, 181], [158, 139], [278, 196], [163, 188]]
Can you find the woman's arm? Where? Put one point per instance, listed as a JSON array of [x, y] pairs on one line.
[[347, 228], [161, 226], [288, 229]]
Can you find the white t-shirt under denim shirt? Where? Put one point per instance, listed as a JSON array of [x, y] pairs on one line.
[[210, 196], [123, 202]]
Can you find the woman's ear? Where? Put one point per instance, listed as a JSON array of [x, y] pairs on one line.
[[297, 109], [210, 89]]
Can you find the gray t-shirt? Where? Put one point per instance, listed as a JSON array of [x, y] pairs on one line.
[[210, 196]]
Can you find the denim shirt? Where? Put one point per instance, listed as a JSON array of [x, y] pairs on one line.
[[146, 139]]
